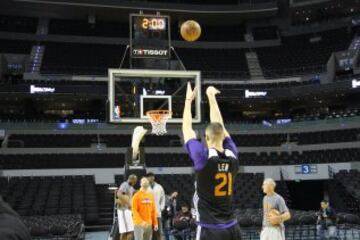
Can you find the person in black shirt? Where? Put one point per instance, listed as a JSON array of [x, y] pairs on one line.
[[183, 223], [11, 227], [326, 222], [168, 213]]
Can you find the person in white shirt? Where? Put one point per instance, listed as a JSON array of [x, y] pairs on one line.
[[160, 199]]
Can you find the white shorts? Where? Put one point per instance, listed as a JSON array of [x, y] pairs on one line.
[[125, 220], [272, 233]]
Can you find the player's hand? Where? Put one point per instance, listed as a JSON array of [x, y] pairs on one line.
[[156, 228], [274, 220], [212, 91], [174, 195], [144, 224], [190, 93], [119, 202]]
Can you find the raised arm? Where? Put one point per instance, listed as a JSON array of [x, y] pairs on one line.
[[188, 132], [215, 114], [138, 134]]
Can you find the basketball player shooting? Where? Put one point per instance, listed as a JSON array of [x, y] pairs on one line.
[[215, 168]]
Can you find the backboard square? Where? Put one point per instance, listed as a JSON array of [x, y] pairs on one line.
[[127, 89]]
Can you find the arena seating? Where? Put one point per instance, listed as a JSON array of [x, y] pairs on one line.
[[258, 140], [18, 24], [300, 54], [64, 227], [350, 112], [53, 161], [263, 86], [309, 115], [316, 156], [265, 33], [333, 136], [51, 140], [149, 140], [247, 190], [32, 196], [230, 62], [351, 181], [341, 199], [84, 28], [15, 46], [181, 183], [85, 140], [85, 59], [81, 59], [167, 160]]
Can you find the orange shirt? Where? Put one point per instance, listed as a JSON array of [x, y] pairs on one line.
[[143, 208]]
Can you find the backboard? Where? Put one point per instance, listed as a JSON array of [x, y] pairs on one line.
[[133, 92]]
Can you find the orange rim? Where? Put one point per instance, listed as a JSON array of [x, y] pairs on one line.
[[158, 115]]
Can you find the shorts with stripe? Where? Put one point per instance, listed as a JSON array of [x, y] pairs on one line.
[[125, 221]]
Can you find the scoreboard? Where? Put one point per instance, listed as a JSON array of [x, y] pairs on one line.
[[149, 36]]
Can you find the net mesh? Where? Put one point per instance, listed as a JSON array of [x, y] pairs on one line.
[[158, 119]]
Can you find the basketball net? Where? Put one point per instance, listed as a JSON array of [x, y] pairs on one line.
[[158, 119]]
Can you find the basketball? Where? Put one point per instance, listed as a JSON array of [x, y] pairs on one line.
[[273, 213], [123, 200], [190, 30]]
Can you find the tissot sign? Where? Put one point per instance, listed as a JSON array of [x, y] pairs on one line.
[[141, 52]]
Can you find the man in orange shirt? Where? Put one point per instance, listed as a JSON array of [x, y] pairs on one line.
[[144, 212]]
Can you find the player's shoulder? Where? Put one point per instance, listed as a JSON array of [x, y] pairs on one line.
[[230, 153], [158, 187], [124, 184], [278, 197]]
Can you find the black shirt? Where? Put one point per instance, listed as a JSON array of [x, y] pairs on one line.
[[214, 188]]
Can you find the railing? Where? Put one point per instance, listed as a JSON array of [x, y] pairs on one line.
[[236, 75], [296, 125], [296, 232], [294, 72], [304, 232], [316, 124]]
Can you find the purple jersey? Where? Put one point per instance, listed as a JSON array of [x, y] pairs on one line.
[[215, 174], [199, 153]]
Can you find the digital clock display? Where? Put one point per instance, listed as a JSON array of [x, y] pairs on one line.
[[153, 23]]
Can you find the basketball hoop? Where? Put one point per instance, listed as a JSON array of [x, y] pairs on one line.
[[158, 119]]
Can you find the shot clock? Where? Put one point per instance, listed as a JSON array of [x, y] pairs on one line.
[[153, 23], [149, 36]]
